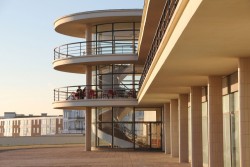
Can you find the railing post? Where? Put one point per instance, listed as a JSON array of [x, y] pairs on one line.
[[96, 47], [59, 53], [67, 95], [58, 95], [54, 95], [67, 50], [81, 49]]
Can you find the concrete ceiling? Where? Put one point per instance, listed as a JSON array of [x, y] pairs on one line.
[[215, 37], [152, 12]]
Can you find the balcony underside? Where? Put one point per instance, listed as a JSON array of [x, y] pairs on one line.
[[75, 24], [82, 104], [76, 64], [206, 40]]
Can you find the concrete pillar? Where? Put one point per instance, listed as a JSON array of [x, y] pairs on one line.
[[88, 37], [88, 80], [88, 129], [183, 128], [167, 128], [196, 127], [174, 130], [215, 122], [244, 113]]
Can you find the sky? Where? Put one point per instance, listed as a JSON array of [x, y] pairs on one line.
[[27, 40]]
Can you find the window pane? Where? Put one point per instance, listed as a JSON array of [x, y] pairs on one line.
[[123, 114], [104, 114], [148, 114], [123, 135], [123, 26], [104, 27]]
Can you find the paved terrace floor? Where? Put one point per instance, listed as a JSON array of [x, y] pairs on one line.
[[75, 156]]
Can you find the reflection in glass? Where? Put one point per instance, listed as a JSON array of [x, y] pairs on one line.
[[234, 107], [148, 114], [205, 133], [142, 135], [104, 114], [155, 135], [104, 134], [123, 135], [123, 114], [128, 127], [189, 134], [226, 132]]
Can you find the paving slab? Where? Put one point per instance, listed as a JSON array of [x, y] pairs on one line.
[[75, 156]]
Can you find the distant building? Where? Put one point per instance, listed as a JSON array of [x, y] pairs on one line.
[[14, 125], [73, 121]]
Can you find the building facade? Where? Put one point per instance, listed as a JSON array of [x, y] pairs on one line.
[[20, 125], [174, 76], [73, 122]]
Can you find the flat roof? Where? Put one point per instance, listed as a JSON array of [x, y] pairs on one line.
[[74, 25]]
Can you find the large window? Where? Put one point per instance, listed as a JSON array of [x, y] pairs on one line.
[[127, 127], [231, 121], [115, 38], [116, 80]]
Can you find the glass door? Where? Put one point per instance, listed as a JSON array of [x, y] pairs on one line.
[[148, 135], [155, 135]]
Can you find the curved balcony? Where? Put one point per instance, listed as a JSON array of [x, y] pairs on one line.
[[71, 57], [93, 96]]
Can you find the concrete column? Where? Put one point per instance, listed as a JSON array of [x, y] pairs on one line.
[[244, 113], [88, 37], [196, 127], [174, 130], [167, 128], [88, 129], [215, 122], [183, 128], [88, 88], [88, 80]]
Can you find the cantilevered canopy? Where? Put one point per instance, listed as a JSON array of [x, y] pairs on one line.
[[204, 38], [74, 24]]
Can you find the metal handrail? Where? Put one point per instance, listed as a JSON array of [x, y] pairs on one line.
[[96, 92], [76, 49], [166, 16]]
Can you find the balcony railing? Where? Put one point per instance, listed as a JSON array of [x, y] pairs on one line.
[[166, 16], [126, 46], [96, 92]]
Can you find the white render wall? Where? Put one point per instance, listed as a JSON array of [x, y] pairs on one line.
[[7, 127], [48, 125]]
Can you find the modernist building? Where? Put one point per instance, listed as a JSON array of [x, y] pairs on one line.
[[193, 62], [15, 125]]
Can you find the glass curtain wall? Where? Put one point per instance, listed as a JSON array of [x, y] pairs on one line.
[[116, 80], [189, 134], [204, 126], [231, 130], [127, 127], [115, 38], [205, 133], [231, 121]]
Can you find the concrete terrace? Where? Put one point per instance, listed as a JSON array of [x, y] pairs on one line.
[[76, 156]]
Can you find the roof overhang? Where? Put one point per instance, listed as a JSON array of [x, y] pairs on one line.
[[205, 38], [74, 25]]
